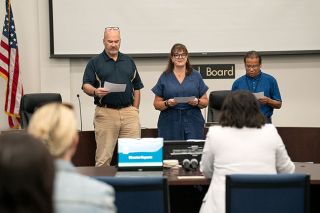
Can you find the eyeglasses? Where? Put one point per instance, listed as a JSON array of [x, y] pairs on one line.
[[112, 28], [253, 66], [183, 55]]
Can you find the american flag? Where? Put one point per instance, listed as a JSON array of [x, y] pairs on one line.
[[9, 68]]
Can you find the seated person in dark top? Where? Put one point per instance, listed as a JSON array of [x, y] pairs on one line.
[[26, 175]]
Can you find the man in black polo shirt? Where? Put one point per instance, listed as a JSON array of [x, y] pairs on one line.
[[116, 115]]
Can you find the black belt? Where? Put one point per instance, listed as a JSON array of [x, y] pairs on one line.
[[113, 106]]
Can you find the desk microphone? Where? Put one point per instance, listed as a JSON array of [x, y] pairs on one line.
[[186, 164], [194, 164], [78, 96], [190, 164]]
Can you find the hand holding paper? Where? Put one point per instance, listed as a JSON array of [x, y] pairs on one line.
[[261, 98], [184, 99], [258, 95], [111, 87]]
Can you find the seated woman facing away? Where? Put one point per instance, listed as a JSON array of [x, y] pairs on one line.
[[243, 143], [55, 124]]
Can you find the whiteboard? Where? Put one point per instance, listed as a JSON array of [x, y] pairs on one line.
[[151, 27]]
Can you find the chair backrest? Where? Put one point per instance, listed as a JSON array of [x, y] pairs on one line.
[[280, 193], [139, 194], [30, 102], [216, 99]]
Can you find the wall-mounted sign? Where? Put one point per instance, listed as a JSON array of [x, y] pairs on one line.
[[216, 71]]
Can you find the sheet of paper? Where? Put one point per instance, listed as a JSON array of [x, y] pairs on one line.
[[184, 99], [111, 87], [191, 177], [258, 95], [195, 140]]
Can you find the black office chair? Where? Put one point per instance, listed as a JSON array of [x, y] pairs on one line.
[[282, 193], [216, 99], [30, 102], [139, 194]]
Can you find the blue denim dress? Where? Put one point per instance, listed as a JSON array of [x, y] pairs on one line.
[[183, 121]]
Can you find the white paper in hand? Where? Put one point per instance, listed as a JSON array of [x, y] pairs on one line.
[[111, 87], [184, 99], [258, 95]]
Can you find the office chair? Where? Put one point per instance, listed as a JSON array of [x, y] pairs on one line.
[[30, 102], [139, 194], [216, 99], [282, 193]]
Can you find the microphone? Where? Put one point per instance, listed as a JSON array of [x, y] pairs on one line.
[[186, 164], [190, 164], [194, 163], [78, 96]]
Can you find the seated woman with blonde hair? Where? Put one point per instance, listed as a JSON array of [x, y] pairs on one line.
[[55, 124]]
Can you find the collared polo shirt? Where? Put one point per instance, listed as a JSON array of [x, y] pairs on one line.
[[122, 71]]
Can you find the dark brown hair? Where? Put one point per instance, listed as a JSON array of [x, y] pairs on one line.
[[252, 54], [241, 109], [178, 48], [26, 174]]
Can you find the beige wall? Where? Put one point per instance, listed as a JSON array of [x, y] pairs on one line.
[[298, 76]]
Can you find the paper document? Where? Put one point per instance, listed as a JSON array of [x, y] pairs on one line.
[[184, 99], [195, 140], [111, 87], [258, 95], [191, 177], [139, 174]]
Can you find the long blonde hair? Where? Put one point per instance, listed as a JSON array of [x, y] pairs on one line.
[[55, 124]]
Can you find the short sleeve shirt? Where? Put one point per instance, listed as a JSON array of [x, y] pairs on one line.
[[262, 83], [123, 71], [169, 87]]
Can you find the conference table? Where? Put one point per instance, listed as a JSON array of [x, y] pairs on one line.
[[302, 144], [187, 188]]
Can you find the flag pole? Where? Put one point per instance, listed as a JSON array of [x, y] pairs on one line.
[[9, 18]]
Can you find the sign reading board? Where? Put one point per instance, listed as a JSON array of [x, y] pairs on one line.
[[216, 71]]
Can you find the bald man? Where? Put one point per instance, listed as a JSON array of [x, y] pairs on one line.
[[117, 113]]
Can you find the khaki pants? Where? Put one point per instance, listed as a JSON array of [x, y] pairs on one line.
[[111, 124]]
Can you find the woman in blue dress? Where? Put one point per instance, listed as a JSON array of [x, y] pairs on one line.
[[180, 93]]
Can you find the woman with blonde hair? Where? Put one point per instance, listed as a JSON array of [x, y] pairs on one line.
[[55, 124]]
